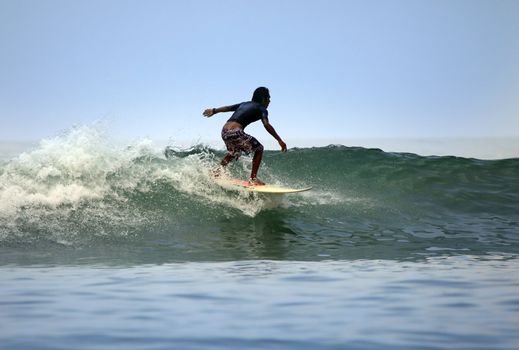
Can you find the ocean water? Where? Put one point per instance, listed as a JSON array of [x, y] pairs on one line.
[[109, 246]]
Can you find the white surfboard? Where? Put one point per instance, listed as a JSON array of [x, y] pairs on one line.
[[242, 184]]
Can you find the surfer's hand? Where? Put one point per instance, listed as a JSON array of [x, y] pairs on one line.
[[208, 112], [283, 146]]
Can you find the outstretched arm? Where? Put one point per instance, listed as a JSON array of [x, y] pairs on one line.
[[273, 132], [212, 111]]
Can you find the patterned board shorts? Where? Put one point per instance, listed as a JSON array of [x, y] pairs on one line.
[[237, 141]]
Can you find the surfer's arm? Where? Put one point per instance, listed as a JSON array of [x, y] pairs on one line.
[[274, 134], [212, 111]]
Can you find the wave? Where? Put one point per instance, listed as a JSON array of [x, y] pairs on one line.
[[82, 186]]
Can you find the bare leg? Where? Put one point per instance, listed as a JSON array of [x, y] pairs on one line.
[[226, 160], [256, 161]]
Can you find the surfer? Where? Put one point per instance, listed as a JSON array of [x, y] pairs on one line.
[[236, 140]]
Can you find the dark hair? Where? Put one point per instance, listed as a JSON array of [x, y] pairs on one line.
[[260, 93]]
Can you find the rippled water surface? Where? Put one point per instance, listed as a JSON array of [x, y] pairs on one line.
[[439, 303]]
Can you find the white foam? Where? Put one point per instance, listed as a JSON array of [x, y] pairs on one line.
[[54, 173], [68, 169]]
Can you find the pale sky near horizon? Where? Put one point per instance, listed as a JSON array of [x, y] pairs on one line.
[[336, 69]]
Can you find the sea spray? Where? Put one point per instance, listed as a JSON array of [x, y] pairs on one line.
[[70, 182]]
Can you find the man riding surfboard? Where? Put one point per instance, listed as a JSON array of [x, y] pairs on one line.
[[236, 140]]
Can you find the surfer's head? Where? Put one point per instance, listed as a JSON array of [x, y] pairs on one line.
[[261, 95]]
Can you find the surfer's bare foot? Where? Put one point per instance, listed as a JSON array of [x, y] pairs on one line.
[[256, 182]]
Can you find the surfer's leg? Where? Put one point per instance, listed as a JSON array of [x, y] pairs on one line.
[[256, 161], [223, 163], [227, 159], [231, 139], [253, 145]]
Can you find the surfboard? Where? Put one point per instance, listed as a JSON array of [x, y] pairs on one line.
[[242, 184]]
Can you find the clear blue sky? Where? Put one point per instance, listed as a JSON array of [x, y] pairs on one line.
[[336, 69]]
